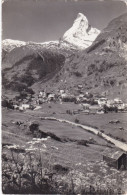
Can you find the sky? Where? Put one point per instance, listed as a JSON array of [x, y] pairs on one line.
[[46, 20]]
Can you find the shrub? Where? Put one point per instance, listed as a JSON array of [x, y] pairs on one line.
[[27, 78], [112, 82], [15, 85], [53, 136], [76, 120], [69, 112], [34, 127], [30, 90], [82, 142], [60, 168], [7, 104], [78, 74]]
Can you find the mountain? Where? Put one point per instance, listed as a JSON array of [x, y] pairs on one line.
[[102, 67], [9, 44], [26, 63], [29, 63], [81, 35], [14, 51]]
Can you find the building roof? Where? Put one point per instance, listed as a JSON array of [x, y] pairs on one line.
[[113, 154]]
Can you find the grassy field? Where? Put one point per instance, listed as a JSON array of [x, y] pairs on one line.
[[85, 163], [100, 121], [105, 123]]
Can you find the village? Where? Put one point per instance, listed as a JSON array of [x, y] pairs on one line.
[[89, 103]]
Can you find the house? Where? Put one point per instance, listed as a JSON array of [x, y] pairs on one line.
[[110, 103], [51, 97], [82, 99], [80, 86], [116, 159], [24, 107], [21, 108], [62, 91], [104, 93], [102, 101], [118, 101], [100, 111], [86, 106], [16, 107], [42, 94], [121, 107]]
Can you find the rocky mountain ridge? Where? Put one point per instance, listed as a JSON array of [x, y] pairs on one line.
[[80, 36], [9, 44]]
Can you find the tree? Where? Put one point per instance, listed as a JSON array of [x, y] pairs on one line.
[[34, 127]]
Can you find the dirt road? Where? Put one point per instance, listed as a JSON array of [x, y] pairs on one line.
[[117, 143]]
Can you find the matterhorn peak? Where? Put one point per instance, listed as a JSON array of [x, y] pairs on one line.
[[81, 20], [81, 34]]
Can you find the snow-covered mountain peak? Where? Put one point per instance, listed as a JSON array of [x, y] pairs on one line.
[[81, 34], [81, 21], [9, 44], [16, 42]]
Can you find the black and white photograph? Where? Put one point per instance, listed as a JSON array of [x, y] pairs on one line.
[[64, 97]]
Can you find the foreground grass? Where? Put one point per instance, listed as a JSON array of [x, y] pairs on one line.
[[84, 167], [43, 166]]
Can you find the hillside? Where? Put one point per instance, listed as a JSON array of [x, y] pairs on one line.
[[29, 64], [103, 66], [8, 45]]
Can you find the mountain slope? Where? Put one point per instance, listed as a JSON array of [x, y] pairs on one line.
[[28, 64], [9, 44], [103, 66]]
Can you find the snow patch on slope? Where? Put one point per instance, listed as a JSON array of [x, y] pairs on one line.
[[49, 42]]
